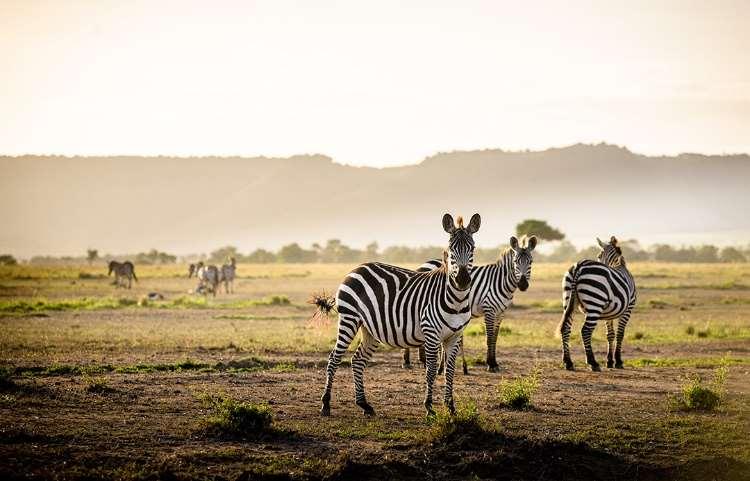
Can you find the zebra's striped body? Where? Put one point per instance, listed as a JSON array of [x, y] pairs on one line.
[[602, 289], [403, 308], [208, 277], [492, 289], [122, 270], [227, 275]]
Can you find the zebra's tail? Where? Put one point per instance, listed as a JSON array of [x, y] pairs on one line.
[[134, 277], [569, 298], [325, 305]]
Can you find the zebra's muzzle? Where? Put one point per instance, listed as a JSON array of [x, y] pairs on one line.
[[463, 279], [523, 283]]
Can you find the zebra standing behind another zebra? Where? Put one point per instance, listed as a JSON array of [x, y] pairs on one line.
[[208, 277], [602, 289], [122, 270], [404, 308], [492, 289], [227, 273]]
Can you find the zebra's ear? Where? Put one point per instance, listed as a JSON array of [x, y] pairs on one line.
[[601, 244], [531, 243], [613, 241], [513, 242], [474, 223], [448, 224]]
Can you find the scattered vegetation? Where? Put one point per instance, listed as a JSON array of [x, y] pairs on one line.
[[697, 362], [638, 335], [519, 392], [229, 416], [444, 426], [698, 396], [96, 385]]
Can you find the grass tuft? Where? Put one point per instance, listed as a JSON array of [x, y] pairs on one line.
[[519, 392], [444, 426], [690, 330], [229, 416], [697, 396], [96, 385]]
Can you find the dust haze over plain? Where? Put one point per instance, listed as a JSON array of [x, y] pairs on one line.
[[369, 84]]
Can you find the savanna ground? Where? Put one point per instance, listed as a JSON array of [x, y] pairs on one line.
[[98, 386]]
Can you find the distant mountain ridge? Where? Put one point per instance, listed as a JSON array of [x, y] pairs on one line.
[[62, 205]]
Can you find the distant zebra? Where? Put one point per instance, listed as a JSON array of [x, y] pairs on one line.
[[227, 274], [602, 289], [492, 289], [208, 277], [403, 308], [122, 270]]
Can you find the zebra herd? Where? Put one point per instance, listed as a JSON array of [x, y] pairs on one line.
[[429, 308], [209, 277]]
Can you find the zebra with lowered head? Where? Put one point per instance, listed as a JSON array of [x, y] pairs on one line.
[[208, 277], [403, 308], [122, 270], [227, 272], [601, 289], [492, 289]]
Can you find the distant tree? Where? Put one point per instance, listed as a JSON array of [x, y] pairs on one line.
[[665, 253], [7, 260], [539, 228], [155, 257], [731, 254], [590, 252], [293, 253], [632, 251], [706, 253], [261, 256], [565, 252], [219, 256], [92, 255], [370, 253]]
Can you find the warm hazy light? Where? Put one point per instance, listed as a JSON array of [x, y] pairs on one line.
[[374, 83]]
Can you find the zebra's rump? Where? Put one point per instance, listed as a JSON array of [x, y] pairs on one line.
[[599, 288]]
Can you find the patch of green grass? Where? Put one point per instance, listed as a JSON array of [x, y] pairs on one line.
[[443, 425], [254, 317], [697, 396], [229, 416], [84, 303], [658, 304], [518, 393], [706, 362], [96, 385], [7, 400]]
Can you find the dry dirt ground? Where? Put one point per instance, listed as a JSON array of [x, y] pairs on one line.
[[146, 421]]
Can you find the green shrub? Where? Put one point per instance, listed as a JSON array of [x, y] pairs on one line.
[[518, 393], [230, 416], [96, 385], [443, 425], [690, 330], [696, 396], [704, 333], [638, 335]]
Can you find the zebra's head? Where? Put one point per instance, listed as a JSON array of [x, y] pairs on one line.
[[112, 267], [193, 269], [610, 253], [459, 256], [522, 259]]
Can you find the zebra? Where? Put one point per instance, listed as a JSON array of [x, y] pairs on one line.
[[492, 289], [227, 272], [602, 289], [403, 308], [122, 270], [208, 277]]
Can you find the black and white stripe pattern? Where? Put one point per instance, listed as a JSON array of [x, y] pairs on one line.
[[403, 308], [602, 289], [208, 277], [122, 270], [492, 289], [227, 273]]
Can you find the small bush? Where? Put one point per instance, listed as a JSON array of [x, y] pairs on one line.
[[444, 425], [696, 396], [703, 333], [276, 300], [518, 393], [96, 385], [638, 335], [229, 416], [690, 330]]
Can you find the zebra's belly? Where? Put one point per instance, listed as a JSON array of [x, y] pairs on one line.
[[392, 334]]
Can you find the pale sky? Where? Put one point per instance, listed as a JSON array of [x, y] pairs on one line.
[[371, 83]]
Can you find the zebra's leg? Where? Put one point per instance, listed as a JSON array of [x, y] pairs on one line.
[[610, 344], [431, 348], [463, 355], [565, 325], [406, 364], [586, 331], [422, 358], [621, 324], [451, 346], [490, 327], [441, 356], [359, 362], [348, 327]]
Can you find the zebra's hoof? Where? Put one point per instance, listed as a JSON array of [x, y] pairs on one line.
[[610, 364], [466, 370], [367, 410], [451, 408], [325, 411], [493, 368], [618, 365], [595, 367], [406, 366], [570, 366]]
